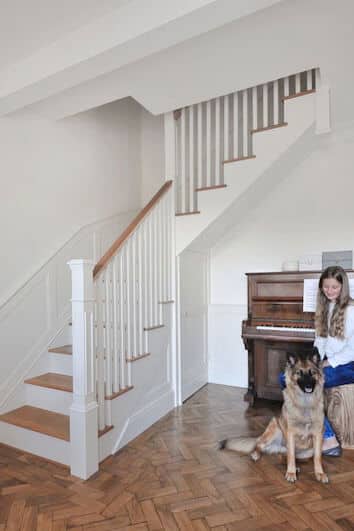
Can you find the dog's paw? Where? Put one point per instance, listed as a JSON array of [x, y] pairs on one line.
[[290, 476], [321, 477], [255, 455]]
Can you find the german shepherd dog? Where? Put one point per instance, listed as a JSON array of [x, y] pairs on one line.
[[298, 431]]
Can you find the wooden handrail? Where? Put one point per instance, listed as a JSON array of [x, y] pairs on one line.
[[131, 227]]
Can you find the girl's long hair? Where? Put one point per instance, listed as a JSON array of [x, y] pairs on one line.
[[336, 327]]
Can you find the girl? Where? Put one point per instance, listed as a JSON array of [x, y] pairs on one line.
[[334, 331], [334, 327], [334, 339]]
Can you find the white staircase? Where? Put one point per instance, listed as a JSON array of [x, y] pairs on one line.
[[113, 377], [269, 145]]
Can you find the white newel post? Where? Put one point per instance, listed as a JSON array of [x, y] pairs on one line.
[[83, 411]]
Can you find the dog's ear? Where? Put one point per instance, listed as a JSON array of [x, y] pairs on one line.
[[291, 358], [315, 356]]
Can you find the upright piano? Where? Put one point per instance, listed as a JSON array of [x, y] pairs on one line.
[[276, 324]]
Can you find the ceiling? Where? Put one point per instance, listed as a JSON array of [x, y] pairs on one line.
[[26, 26], [60, 57]]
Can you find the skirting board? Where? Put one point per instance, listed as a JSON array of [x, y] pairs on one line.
[[145, 418]]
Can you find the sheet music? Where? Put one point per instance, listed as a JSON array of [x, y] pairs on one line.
[[310, 293]]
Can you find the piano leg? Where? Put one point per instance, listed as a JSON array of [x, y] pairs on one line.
[[251, 394]]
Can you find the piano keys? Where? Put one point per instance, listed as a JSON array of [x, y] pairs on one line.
[[276, 324]]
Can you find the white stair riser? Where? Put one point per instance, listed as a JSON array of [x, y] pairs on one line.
[[61, 363], [35, 443], [50, 399]]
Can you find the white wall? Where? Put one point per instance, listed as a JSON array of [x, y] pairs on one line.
[[56, 177], [152, 154], [310, 210]]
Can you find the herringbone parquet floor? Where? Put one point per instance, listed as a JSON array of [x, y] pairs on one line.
[[174, 477]]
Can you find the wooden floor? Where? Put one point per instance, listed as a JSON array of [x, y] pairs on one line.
[[174, 477]]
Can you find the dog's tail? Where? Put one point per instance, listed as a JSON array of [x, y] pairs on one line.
[[242, 445]]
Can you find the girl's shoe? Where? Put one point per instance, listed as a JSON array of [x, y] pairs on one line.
[[333, 452]]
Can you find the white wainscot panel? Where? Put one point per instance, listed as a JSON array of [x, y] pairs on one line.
[[25, 320], [228, 359]]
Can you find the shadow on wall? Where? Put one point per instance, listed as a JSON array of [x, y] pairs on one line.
[[238, 214]]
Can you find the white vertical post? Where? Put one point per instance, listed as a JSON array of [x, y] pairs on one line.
[[217, 142], [140, 290], [297, 84], [150, 271], [115, 325], [160, 259], [182, 175], [200, 146], [226, 128], [245, 123], [286, 86], [265, 106], [236, 154], [276, 101], [208, 143], [128, 300], [83, 411], [122, 319], [254, 109], [155, 266], [134, 309], [100, 347], [309, 80], [192, 154]]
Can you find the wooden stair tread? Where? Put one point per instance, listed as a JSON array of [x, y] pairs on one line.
[[65, 349], [299, 94], [187, 213], [120, 392], [239, 159], [154, 327], [269, 127], [138, 357], [207, 188], [43, 421], [52, 380], [39, 420]]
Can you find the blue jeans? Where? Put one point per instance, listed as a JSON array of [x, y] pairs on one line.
[[334, 376]]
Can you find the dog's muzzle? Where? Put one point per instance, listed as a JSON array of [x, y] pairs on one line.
[[307, 383]]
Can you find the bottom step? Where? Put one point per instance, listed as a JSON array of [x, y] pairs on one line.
[[40, 432], [39, 420], [43, 421]]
